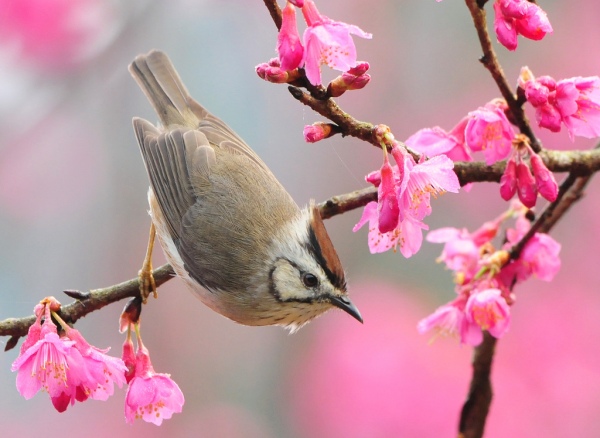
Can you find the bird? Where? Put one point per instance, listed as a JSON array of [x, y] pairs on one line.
[[227, 226]]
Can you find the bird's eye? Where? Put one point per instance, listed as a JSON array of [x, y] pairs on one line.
[[309, 280]]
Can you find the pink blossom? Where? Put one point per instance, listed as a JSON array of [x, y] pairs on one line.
[[327, 42], [435, 141], [519, 17], [574, 102], [489, 310], [489, 130], [450, 320], [103, 370], [540, 258], [151, 396], [68, 368], [46, 364], [289, 45], [414, 186]]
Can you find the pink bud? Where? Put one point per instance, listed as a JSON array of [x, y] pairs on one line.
[[261, 69], [276, 75], [374, 178], [546, 184], [526, 186], [508, 182], [297, 3], [289, 46], [360, 69], [316, 132], [536, 93], [355, 82]]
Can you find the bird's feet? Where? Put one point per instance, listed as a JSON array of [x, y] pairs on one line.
[[145, 276]]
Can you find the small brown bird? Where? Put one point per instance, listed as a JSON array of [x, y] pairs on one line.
[[227, 226]]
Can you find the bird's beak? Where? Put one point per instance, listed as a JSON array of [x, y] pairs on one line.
[[346, 305]]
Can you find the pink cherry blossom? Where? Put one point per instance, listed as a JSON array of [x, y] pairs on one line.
[[489, 310], [574, 102], [414, 185], [68, 368], [519, 17], [103, 370], [289, 46], [489, 130], [151, 396], [327, 42], [435, 141], [45, 364]]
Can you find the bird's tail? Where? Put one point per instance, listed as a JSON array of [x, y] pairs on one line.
[[163, 87]]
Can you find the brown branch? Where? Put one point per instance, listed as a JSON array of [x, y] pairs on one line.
[[477, 405], [490, 61], [93, 300], [275, 12]]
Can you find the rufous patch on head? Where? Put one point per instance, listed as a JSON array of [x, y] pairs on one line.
[[324, 251]]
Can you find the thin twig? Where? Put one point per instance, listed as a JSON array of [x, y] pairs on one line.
[[275, 12]]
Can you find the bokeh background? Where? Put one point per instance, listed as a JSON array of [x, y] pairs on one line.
[[73, 216]]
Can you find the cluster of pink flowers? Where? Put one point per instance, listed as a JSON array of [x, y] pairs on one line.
[[325, 41], [405, 190], [66, 367], [484, 277], [489, 131], [69, 369], [574, 102], [519, 17]]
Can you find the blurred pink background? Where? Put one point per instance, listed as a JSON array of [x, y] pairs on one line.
[[73, 215]]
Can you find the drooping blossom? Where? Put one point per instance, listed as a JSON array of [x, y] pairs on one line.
[[519, 17], [575, 102], [151, 396], [518, 178], [411, 185], [67, 367]]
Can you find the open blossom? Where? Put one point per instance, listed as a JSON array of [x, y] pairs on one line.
[[575, 102], [489, 130], [519, 17], [68, 368], [151, 396], [327, 42], [435, 141], [490, 311], [411, 185]]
